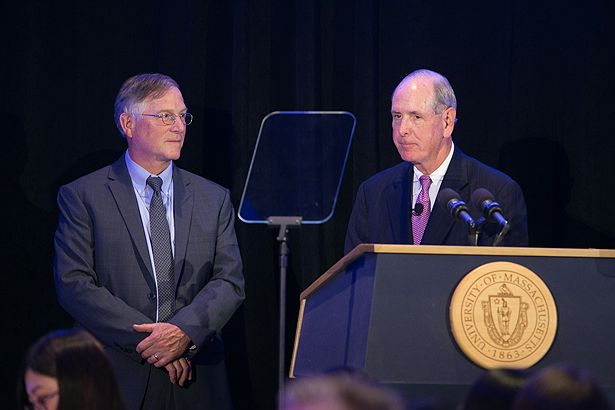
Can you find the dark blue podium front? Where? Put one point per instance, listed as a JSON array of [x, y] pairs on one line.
[[383, 309]]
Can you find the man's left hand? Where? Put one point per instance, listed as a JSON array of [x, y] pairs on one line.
[[165, 343], [179, 371]]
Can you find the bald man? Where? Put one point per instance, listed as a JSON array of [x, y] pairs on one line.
[[397, 205]]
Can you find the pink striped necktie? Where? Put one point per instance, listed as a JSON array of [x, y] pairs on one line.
[[419, 222]]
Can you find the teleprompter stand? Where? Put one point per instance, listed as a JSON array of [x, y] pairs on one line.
[[294, 180]]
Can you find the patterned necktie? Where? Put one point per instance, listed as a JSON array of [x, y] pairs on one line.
[[419, 222], [161, 249]]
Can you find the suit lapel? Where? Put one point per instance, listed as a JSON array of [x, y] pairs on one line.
[[123, 192], [183, 202], [440, 221], [399, 192]]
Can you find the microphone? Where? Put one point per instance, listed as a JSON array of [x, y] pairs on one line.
[[418, 209], [451, 202], [485, 202]]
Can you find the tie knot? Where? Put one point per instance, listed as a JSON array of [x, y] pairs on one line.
[[425, 182], [155, 183]]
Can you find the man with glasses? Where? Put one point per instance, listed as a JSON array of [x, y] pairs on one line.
[[397, 205], [147, 259]]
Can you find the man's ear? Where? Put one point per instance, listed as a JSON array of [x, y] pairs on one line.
[[127, 123], [448, 117]]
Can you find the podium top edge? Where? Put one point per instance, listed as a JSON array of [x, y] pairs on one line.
[[486, 250], [453, 250]]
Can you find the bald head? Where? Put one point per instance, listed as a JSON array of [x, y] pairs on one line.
[[442, 93]]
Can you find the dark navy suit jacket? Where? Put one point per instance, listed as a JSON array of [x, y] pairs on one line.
[[104, 276], [381, 212]]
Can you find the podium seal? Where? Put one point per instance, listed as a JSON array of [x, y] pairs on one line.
[[503, 315]]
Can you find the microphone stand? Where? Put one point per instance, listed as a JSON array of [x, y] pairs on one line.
[[504, 228], [475, 230]]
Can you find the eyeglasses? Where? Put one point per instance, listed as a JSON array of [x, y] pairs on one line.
[[40, 402], [169, 118]]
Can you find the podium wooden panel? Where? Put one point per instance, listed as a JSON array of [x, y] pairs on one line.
[[384, 309]]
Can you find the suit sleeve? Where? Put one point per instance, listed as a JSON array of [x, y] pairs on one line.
[[216, 302], [93, 306], [358, 229]]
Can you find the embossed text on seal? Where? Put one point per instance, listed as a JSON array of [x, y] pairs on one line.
[[503, 315]]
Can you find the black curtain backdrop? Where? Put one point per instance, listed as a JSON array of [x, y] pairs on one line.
[[534, 82]]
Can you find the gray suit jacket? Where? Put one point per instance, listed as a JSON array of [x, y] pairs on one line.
[[103, 272]]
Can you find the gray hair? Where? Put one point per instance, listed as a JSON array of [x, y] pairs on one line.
[[138, 89], [444, 96]]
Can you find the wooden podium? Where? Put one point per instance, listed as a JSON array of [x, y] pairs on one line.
[[384, 309]]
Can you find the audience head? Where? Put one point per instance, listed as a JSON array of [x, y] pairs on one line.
[[561, 387], [495, 389], [68, 370], [339, 391]]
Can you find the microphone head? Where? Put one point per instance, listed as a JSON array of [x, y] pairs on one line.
[[451, 202], [445, 196], [484, 201], [480, 196]]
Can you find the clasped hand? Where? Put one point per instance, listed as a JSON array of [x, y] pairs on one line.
[[164, 347]]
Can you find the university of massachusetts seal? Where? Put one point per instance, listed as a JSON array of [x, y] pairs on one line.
[[503, 315]]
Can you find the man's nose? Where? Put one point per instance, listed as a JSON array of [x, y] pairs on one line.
[[179, 125], [404, 126]]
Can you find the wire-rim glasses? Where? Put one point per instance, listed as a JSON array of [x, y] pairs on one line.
[[170, 118]]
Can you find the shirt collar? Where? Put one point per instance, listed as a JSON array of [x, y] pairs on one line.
[[139, 175], [439, 173]]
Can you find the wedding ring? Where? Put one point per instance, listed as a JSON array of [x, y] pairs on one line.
[[156, 356]]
